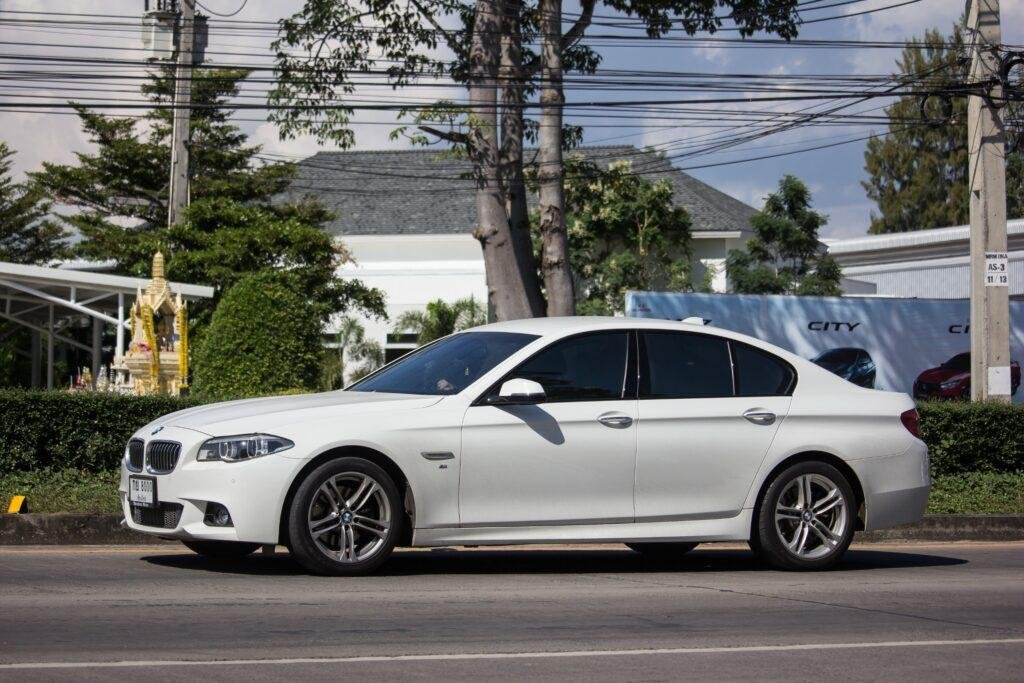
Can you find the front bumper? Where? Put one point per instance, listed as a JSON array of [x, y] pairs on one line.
[[252, 491]]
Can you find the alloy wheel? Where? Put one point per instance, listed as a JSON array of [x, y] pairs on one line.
[[349, 517], [811, 516]]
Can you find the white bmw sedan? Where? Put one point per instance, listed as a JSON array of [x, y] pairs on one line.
[[656, 434]]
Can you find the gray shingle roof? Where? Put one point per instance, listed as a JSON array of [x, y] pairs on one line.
[[420, 191]]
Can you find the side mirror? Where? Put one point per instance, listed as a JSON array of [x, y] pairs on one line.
[[518, 392]]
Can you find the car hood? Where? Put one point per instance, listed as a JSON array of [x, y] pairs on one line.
[[265, 414], [938, 375]]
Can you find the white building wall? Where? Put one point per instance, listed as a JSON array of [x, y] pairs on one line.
[[413, 270]]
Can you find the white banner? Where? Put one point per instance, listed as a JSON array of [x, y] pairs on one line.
[[910, 345]]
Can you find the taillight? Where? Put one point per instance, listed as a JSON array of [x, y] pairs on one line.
[[912, 421]]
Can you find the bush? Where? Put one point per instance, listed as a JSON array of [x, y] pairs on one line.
[[973, 437], [264, 338], [84, 431]]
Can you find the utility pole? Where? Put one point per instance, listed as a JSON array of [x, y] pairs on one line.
[[986, 136], [178, 199]]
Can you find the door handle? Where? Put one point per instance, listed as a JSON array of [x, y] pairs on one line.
[[760, 417], [616, 421]]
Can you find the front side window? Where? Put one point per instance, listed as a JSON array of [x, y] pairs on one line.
[[591, 367], [447, 366], [685, 365]]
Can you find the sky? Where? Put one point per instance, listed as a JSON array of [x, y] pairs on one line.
[[834, 174]]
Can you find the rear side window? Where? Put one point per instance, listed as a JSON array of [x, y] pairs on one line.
[[761, 374], [682, 365], [590, 367]]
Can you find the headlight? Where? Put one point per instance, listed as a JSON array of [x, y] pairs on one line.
[[244, 447], [950, 384]]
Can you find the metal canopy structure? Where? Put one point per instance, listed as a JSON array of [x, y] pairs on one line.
[[49, 300]]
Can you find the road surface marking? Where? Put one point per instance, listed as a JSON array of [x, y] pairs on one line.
[[510, 655]]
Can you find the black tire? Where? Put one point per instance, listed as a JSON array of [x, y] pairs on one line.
[[662, 551], [222, 550], [311, 500], [836, 523]]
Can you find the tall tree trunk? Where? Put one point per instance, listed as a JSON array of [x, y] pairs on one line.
[[512, 100], [505, 283], [550, 172]]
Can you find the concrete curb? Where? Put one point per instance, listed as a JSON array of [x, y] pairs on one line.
[[106, 529], [68, 528], [951, 528]]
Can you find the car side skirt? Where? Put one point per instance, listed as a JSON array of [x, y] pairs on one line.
[[736, 528]]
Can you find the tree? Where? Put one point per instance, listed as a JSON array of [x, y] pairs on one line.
[[441, 319], [784, 255], [119, 192], [27, 235], [232, 226], [917, 173], [340, 39], [353, 357], [264, 338], [222, 240], [624, 233], [658, 17]]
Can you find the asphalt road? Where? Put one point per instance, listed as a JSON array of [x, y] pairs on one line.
[[908, 612]]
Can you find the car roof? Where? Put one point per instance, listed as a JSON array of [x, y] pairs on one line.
[[568, 324]]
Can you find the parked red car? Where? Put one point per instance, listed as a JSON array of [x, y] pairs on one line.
[[952, 379]]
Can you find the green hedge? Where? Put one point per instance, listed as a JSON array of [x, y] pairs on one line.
[[973, 437], [86, 431], [83, 431]]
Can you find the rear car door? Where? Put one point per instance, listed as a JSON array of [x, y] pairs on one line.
[[709, 409]]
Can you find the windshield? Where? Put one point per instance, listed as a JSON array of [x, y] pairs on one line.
[[837, 356], [960, 362], [447, 366]]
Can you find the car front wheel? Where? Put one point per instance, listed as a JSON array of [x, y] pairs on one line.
[[806, 518], [345, 518]]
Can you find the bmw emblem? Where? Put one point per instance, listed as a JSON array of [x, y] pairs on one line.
[[159, 429]]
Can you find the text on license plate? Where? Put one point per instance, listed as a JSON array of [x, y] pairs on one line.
[[142, 491]]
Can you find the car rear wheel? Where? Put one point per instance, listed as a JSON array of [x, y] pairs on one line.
[[662, 551], [806, 518], [345, 518], [222, 550]]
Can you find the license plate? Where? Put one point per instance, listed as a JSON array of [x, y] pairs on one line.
[[142, 491]]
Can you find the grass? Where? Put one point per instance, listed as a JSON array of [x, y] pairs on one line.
[[62, 490], [980, 493], [75, 491]]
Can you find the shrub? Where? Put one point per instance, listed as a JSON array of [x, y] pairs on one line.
[[973, 437], [264, 338], [85, 431]]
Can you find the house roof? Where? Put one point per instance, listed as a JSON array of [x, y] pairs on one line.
[[421, 191]]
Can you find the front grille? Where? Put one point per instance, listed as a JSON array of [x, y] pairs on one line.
[[162, 456], [164, 517], [927, 387], [135, 451]]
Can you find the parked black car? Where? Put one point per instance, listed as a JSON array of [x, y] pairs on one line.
[[850, 363]]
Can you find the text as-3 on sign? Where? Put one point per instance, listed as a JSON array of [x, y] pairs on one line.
[[997, 272]]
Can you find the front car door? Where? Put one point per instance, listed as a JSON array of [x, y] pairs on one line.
[[569, 460], [709, 409]]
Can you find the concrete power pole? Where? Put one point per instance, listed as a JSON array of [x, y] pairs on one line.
[[986, 135], [178, 199]]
